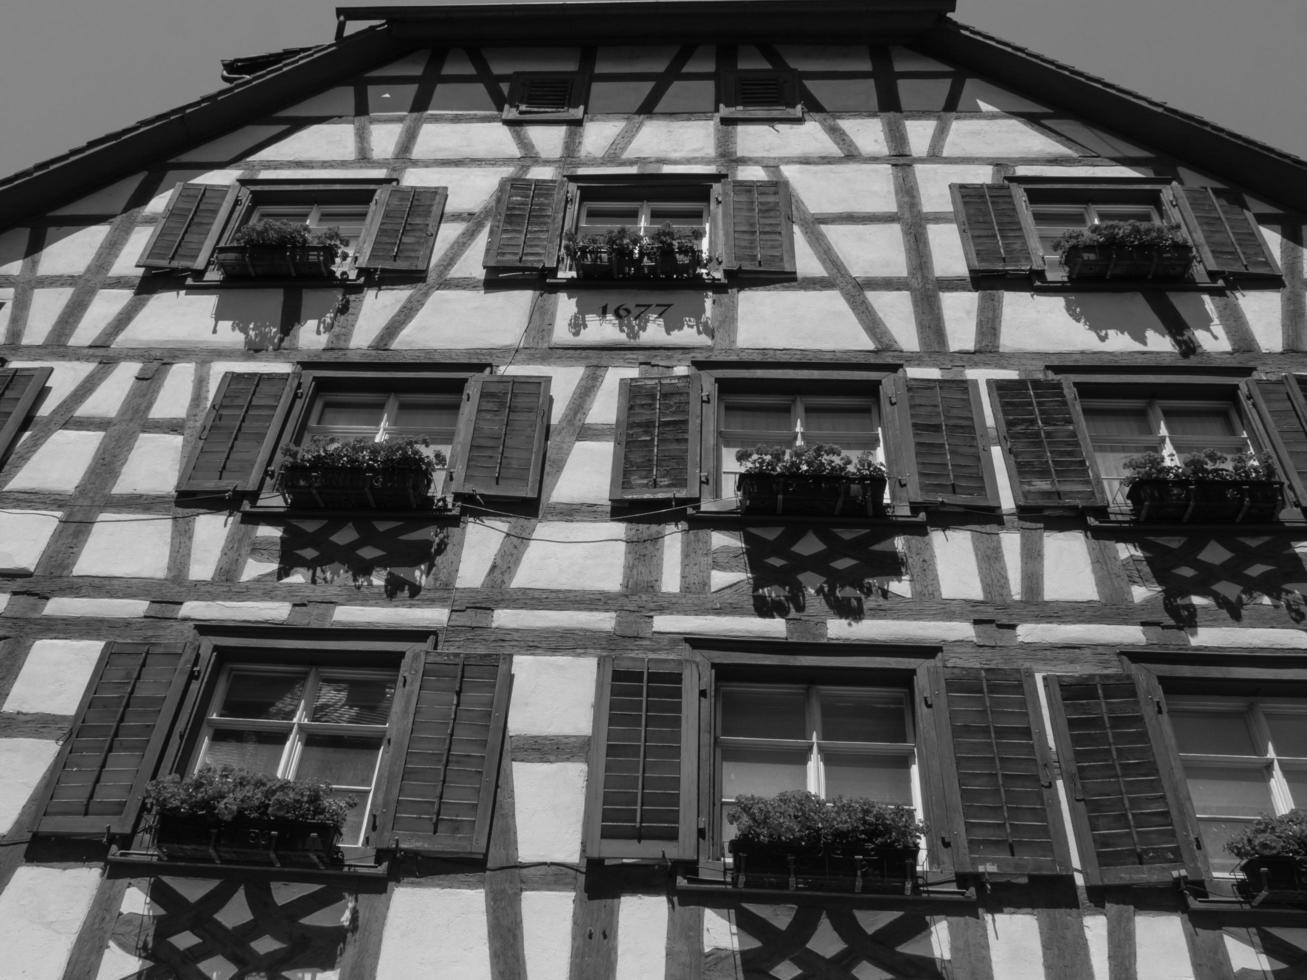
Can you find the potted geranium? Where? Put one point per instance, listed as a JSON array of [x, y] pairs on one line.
[[817, 479], [589, 256], [1273, 857], [797, 840], [1126, 250], [227, 814], [1208, 486], [359, 474], [623, 252], [673, 255], [272, 248]]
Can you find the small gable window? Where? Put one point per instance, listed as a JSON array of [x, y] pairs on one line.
[[759, 93], [545, 96]]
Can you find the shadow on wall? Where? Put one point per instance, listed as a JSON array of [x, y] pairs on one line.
[[1105, 316], [253, 313], [398, 555]]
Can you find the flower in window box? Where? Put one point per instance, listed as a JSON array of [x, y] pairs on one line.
[[1273, 853], [359, 474], [1126, 250], [623, 252], [797, 840], [673, 255], [590, 256], [228, 814], [817, 479], [1208, 486], [272, 248]]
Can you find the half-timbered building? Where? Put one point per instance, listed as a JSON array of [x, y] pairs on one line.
[[559, 263]]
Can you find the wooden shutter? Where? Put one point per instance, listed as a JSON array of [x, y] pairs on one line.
[[239, 433], [1127, 823], [993, 236], [19, 389], [401, 228], [657, 450], [643, 772], [115, 741], [185, 235], [528, 225], [1006, 794], [500, 441], [1282, 406], [1048, 453], [444, 764], [759, 228], [947, 452], [1225, 233]]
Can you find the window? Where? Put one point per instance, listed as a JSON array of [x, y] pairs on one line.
[[545, 96], [759, 93], [748, 420], [830, 739], [1055, 214], [19, 390]]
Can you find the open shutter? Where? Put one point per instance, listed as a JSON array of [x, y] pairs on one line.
[[1006, 793], [1127, 824], [444, 765], [948, 457], [401, 229], [1282, 406], [239, 433], [657, 449], [114, 744], [1048, 453], [185, 235], [500, 442], [759, 227], [993, 237], [19, 389], [1228, 239], [642, 777], [528, 225]]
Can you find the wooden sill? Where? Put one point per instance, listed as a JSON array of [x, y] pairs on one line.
[[354, 869], [728, 512], [928, 897]]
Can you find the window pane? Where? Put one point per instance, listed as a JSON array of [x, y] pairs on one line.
[[773, 416], [296, 214], [851, 716], [1229, 791], [429, 414], [251, 694], [886, 779], [1199, 421], [364, 413], [1118, 420], [1214, 834], [1288, 732], [1051, 221], [612, 215], [764, 772], [354, 700], [850, 425], [257, 751], [752, 713], [339, 759], [1124, 212], [1212, 732], [677, 214], [1297, 780]]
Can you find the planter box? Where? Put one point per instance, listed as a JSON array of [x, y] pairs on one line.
[[1157, 501], [601, 263], [354, 489], [1275, 880], [274, 262], [883, 872], [771, 493], [1089, 262], [271, 843]]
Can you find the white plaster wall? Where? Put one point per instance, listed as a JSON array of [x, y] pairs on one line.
[[53, 676], [586, 556], [1001, 138], [64, 376], [1161, 952], [720, 626], [899, 631], [1262, 310], [933, 180], [868, 135], [920, 133], [107, 399], [960, 319], [435, 932], [1014, 946], [203, 319], [59, 465], [390, 615], [96, 606], [379, 305], [232, 145], [553, 619], [869, 250], [946, 250], [236, 612], [852, 187], [547, 934], [152, 466], [105, 305], [23, 537], [481, 541], [671, 579], [955, 562], [45, 308], [585, 476], [669, 140], [1081, 321], [1096, 939], [896, 312], [321, 141], [126, 546], [173, 399], [210, 531], [1238, 636], [1011, 545], [552, 696], [41, 912], [448, 140], [1068, 572], [69, 249], [603, 410], [1080, 634], [599, 133], [23, 762], [812, 320], [642, 937], [549, 802], [110, 199], [467, 318]]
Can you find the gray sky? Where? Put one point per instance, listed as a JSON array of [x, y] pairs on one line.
[[73, 70]]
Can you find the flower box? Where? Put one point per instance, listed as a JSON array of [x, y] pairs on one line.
[[1156, 500], [276, 261], [1099, 262], [321, 487], [891, 871], [833, 495], [1276, 879], [272, 843]]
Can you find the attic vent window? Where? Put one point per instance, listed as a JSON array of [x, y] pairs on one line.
[[545, 96], [760, 94]]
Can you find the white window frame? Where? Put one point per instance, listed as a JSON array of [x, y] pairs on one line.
[[729, 440]]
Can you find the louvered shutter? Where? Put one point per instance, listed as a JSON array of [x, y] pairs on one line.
[[948, 455], [528, 225], [1127, 823], [993, 236], [1049, 456], [500, 442], [239, 433], [1282, 406], [657, 449], [641, 799], [185, 235], [444, 765], [1226, 235], [759, 228], [1001, 759], [401, 229], [114, 744], [19, 389]]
